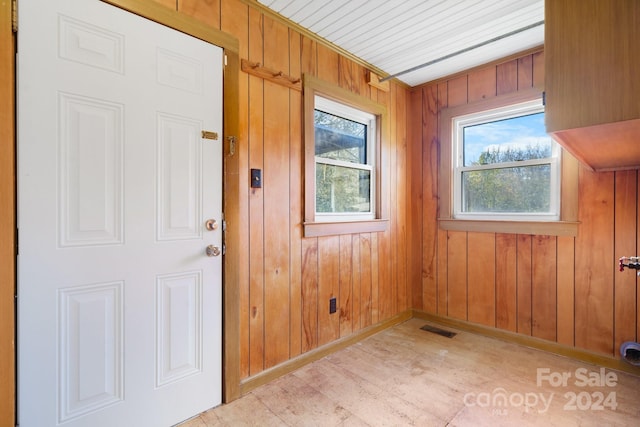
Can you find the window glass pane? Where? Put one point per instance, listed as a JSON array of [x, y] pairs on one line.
[[507, 190], [508, 140], [341, 189], [338, 138]]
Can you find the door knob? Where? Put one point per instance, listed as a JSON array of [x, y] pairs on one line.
[[213, 250]]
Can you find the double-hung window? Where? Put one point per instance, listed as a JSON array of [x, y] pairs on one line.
[[499, 171], [344, 184], [506, 166], [344, 162]]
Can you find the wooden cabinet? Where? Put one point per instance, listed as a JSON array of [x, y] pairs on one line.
[[592, 80]]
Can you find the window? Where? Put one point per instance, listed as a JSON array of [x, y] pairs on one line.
[[505, 165], [344, 161], [501, 172], [343, 157]]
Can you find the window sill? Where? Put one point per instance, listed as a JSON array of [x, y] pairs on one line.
[[551, 228], [316, 229]]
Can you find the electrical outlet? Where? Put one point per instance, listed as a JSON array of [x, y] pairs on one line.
[[332, 305]]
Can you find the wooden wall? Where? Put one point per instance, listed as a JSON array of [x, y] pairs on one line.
[[286, 280], [562, 289]]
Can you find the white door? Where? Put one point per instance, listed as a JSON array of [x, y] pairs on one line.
[[119, 306]]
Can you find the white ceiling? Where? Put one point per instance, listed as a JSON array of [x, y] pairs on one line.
[[397, 35]]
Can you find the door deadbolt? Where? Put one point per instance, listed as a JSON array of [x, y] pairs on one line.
[[211, 224], [213, 250]]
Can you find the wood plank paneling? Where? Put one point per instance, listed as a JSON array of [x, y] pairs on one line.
[[400, 248], [356, 283], [256, 200], [379, 288], [391, 262], [328, 68], [457, 275], [595, 264], [309, 294], [365, 280], [481, 274], [444, 98], [430, 199], [525, 72], [482, 84], [414, 172], [345, 300], [566, 290], [523, 278], [443, 273], [506, 273], [296, 208], [543, 287], [171, 4], [507, 77], [328, 281], [384, 250], [208, 11], [275, 187], [538, 69], [626, 189]]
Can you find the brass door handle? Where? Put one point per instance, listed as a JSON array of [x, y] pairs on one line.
[[212, 250]]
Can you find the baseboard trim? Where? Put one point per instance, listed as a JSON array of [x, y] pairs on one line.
[[297, 362], [531, 342]]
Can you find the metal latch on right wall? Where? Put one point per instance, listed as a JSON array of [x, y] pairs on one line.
[[14, 16]]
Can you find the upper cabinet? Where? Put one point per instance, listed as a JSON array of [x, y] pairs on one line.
[[592, 80]]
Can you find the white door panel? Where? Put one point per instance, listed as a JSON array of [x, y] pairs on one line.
[[119, 307]]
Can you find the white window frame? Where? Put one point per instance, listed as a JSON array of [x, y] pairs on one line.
[[480, 117], [369, 120]]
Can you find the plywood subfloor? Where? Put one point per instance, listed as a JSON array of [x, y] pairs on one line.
[[408, 376]]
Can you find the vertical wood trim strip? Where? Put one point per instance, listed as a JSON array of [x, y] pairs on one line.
[[481, 259], [525, 72], [506, 283], [430, 142], [416, 218], [345, 300], [507, 77], [543, 288], [309, 294], [457, 280], [296, 215], [357, 283], [523, 278], [236, 276], [403, 212], [566, 290], [7, 217], [365, 280], [256, 199], [276, 199], [232, 206]]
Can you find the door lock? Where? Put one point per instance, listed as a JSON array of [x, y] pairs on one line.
[[211, 224], [213, 250]]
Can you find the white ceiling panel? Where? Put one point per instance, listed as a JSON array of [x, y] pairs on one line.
[[396, 35]]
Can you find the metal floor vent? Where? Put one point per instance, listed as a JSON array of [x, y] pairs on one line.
[[438, 331]]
